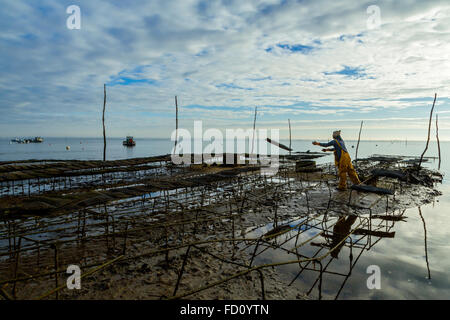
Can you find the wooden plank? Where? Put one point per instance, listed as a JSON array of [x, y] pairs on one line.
[[279, 145]]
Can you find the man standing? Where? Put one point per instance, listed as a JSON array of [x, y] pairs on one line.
[[342, 160]]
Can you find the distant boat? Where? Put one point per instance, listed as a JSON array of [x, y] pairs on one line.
[[35, 140], [17, 140], [129, 142]]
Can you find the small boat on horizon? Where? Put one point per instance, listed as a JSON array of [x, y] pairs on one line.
[[129, 142], [34, 140]]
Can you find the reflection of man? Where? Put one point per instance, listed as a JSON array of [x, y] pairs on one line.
[[340, 231]]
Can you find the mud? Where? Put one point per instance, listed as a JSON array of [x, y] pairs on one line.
[[224, 228]]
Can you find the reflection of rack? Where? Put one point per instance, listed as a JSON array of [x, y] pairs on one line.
[[321, 259], [364, 242]]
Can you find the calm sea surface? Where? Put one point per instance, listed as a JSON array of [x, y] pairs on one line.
[[401, 259]]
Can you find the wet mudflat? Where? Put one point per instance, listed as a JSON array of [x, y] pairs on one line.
[[241, 235]]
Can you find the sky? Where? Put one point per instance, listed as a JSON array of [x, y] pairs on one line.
[[325, 65]]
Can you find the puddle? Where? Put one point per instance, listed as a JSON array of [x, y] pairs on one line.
[[399, 252]]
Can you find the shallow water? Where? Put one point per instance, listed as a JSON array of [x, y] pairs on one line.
[[82, 149], [404, 272], [401, 259]]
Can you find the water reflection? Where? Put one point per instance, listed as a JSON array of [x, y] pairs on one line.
[[425, 239], [340, 232], [349, 244]]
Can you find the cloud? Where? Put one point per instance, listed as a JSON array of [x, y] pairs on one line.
[[303, 60]]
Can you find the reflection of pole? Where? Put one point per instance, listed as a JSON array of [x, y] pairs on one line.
[[254, 126], [352, 265], [320, 279], [426, 249]]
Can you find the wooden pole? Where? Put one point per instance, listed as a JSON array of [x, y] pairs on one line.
[[429, 128], [103, 120], [254, 127], [438, 144], [279, 145], [359, 138], [290, 144], [176, 124], [180, 274]]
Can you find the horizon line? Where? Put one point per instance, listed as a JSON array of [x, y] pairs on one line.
[[294, 139]]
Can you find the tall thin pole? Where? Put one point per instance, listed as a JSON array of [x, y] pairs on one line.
[[359, 138], [176, 124], [254, 126], [437, 138], [429, 128], [103, 120], [290, 144]]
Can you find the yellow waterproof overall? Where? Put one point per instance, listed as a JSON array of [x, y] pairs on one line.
[[345, 167]]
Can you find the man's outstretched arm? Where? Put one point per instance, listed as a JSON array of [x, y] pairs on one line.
[[328, 144]]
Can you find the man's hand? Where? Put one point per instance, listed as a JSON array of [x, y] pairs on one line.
[[315, 143]]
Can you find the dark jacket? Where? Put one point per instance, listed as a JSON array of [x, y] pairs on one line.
[[336, 146]]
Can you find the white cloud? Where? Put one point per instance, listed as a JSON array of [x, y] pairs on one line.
[[207, 53]]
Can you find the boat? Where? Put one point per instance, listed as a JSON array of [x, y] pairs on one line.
[[20, 140], [129, 142], [34, 140]]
